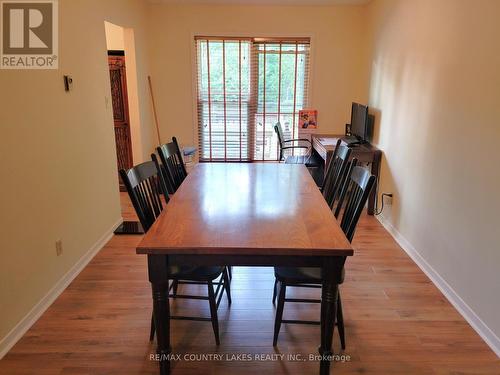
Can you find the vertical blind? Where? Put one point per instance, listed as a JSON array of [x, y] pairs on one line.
[[245, 86]]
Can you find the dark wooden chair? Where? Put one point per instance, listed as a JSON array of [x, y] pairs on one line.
[[336, 174], [172, 165], [327, 169], [289, 144], [334, 180], [146, 188], [354, 194], [174, 172]]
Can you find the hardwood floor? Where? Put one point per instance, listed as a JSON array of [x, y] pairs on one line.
[[397, 322]]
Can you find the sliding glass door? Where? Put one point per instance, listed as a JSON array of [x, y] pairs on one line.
[[245, 86]]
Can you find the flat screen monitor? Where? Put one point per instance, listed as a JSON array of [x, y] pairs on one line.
[[359, 121]]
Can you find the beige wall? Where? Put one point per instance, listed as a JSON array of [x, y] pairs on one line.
[[57, 155], [114, 36], [340, 73], [435, 86]]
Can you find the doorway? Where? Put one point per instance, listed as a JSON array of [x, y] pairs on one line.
[[121, 118], [124, 101]]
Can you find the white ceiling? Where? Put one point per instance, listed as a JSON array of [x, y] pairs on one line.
[[265, 2]]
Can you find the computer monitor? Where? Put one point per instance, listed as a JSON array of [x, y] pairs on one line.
[[359, 121]]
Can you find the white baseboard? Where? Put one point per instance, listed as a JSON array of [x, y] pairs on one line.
[[469, 315], [7, 342]]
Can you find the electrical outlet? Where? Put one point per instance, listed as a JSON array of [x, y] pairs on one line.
[[59, 248]]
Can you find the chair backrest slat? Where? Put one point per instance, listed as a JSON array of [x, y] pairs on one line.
[[145, 187], [279, 132], [330, 165], [355, 192], [173, 168], [281, 137], [336, 173]]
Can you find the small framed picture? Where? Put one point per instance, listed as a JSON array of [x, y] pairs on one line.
[[308, 119]]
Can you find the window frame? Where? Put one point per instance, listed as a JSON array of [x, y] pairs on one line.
[[310, 37]]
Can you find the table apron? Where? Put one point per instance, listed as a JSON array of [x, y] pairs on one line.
[[250, 260], [157, 263]]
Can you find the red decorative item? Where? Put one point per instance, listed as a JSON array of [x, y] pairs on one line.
[[308, 119]]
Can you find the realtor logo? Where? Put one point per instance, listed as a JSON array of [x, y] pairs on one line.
[[29, 34]]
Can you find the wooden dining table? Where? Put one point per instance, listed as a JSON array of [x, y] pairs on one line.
[[246, 214]]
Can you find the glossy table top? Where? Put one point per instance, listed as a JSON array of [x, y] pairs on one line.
[[247, 208]]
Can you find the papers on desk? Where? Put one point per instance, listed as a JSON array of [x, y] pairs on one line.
[[328, 141]]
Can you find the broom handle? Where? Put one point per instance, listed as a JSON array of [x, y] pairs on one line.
[[154, 110]]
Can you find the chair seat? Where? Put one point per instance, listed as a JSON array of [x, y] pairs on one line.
[[296, 159], [301, 275], [194, 273], [301, 159]]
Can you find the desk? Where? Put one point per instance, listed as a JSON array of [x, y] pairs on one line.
[[246, 214], [323, 147]]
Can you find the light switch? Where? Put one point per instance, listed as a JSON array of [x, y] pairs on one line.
[[68, 83]]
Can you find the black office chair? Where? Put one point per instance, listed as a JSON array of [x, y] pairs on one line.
[[172, 165], [289, 144], [335, 174], [355, 193], [146, 187]]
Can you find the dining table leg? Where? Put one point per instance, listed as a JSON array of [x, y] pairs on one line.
[[329, 297], [158, 276]]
